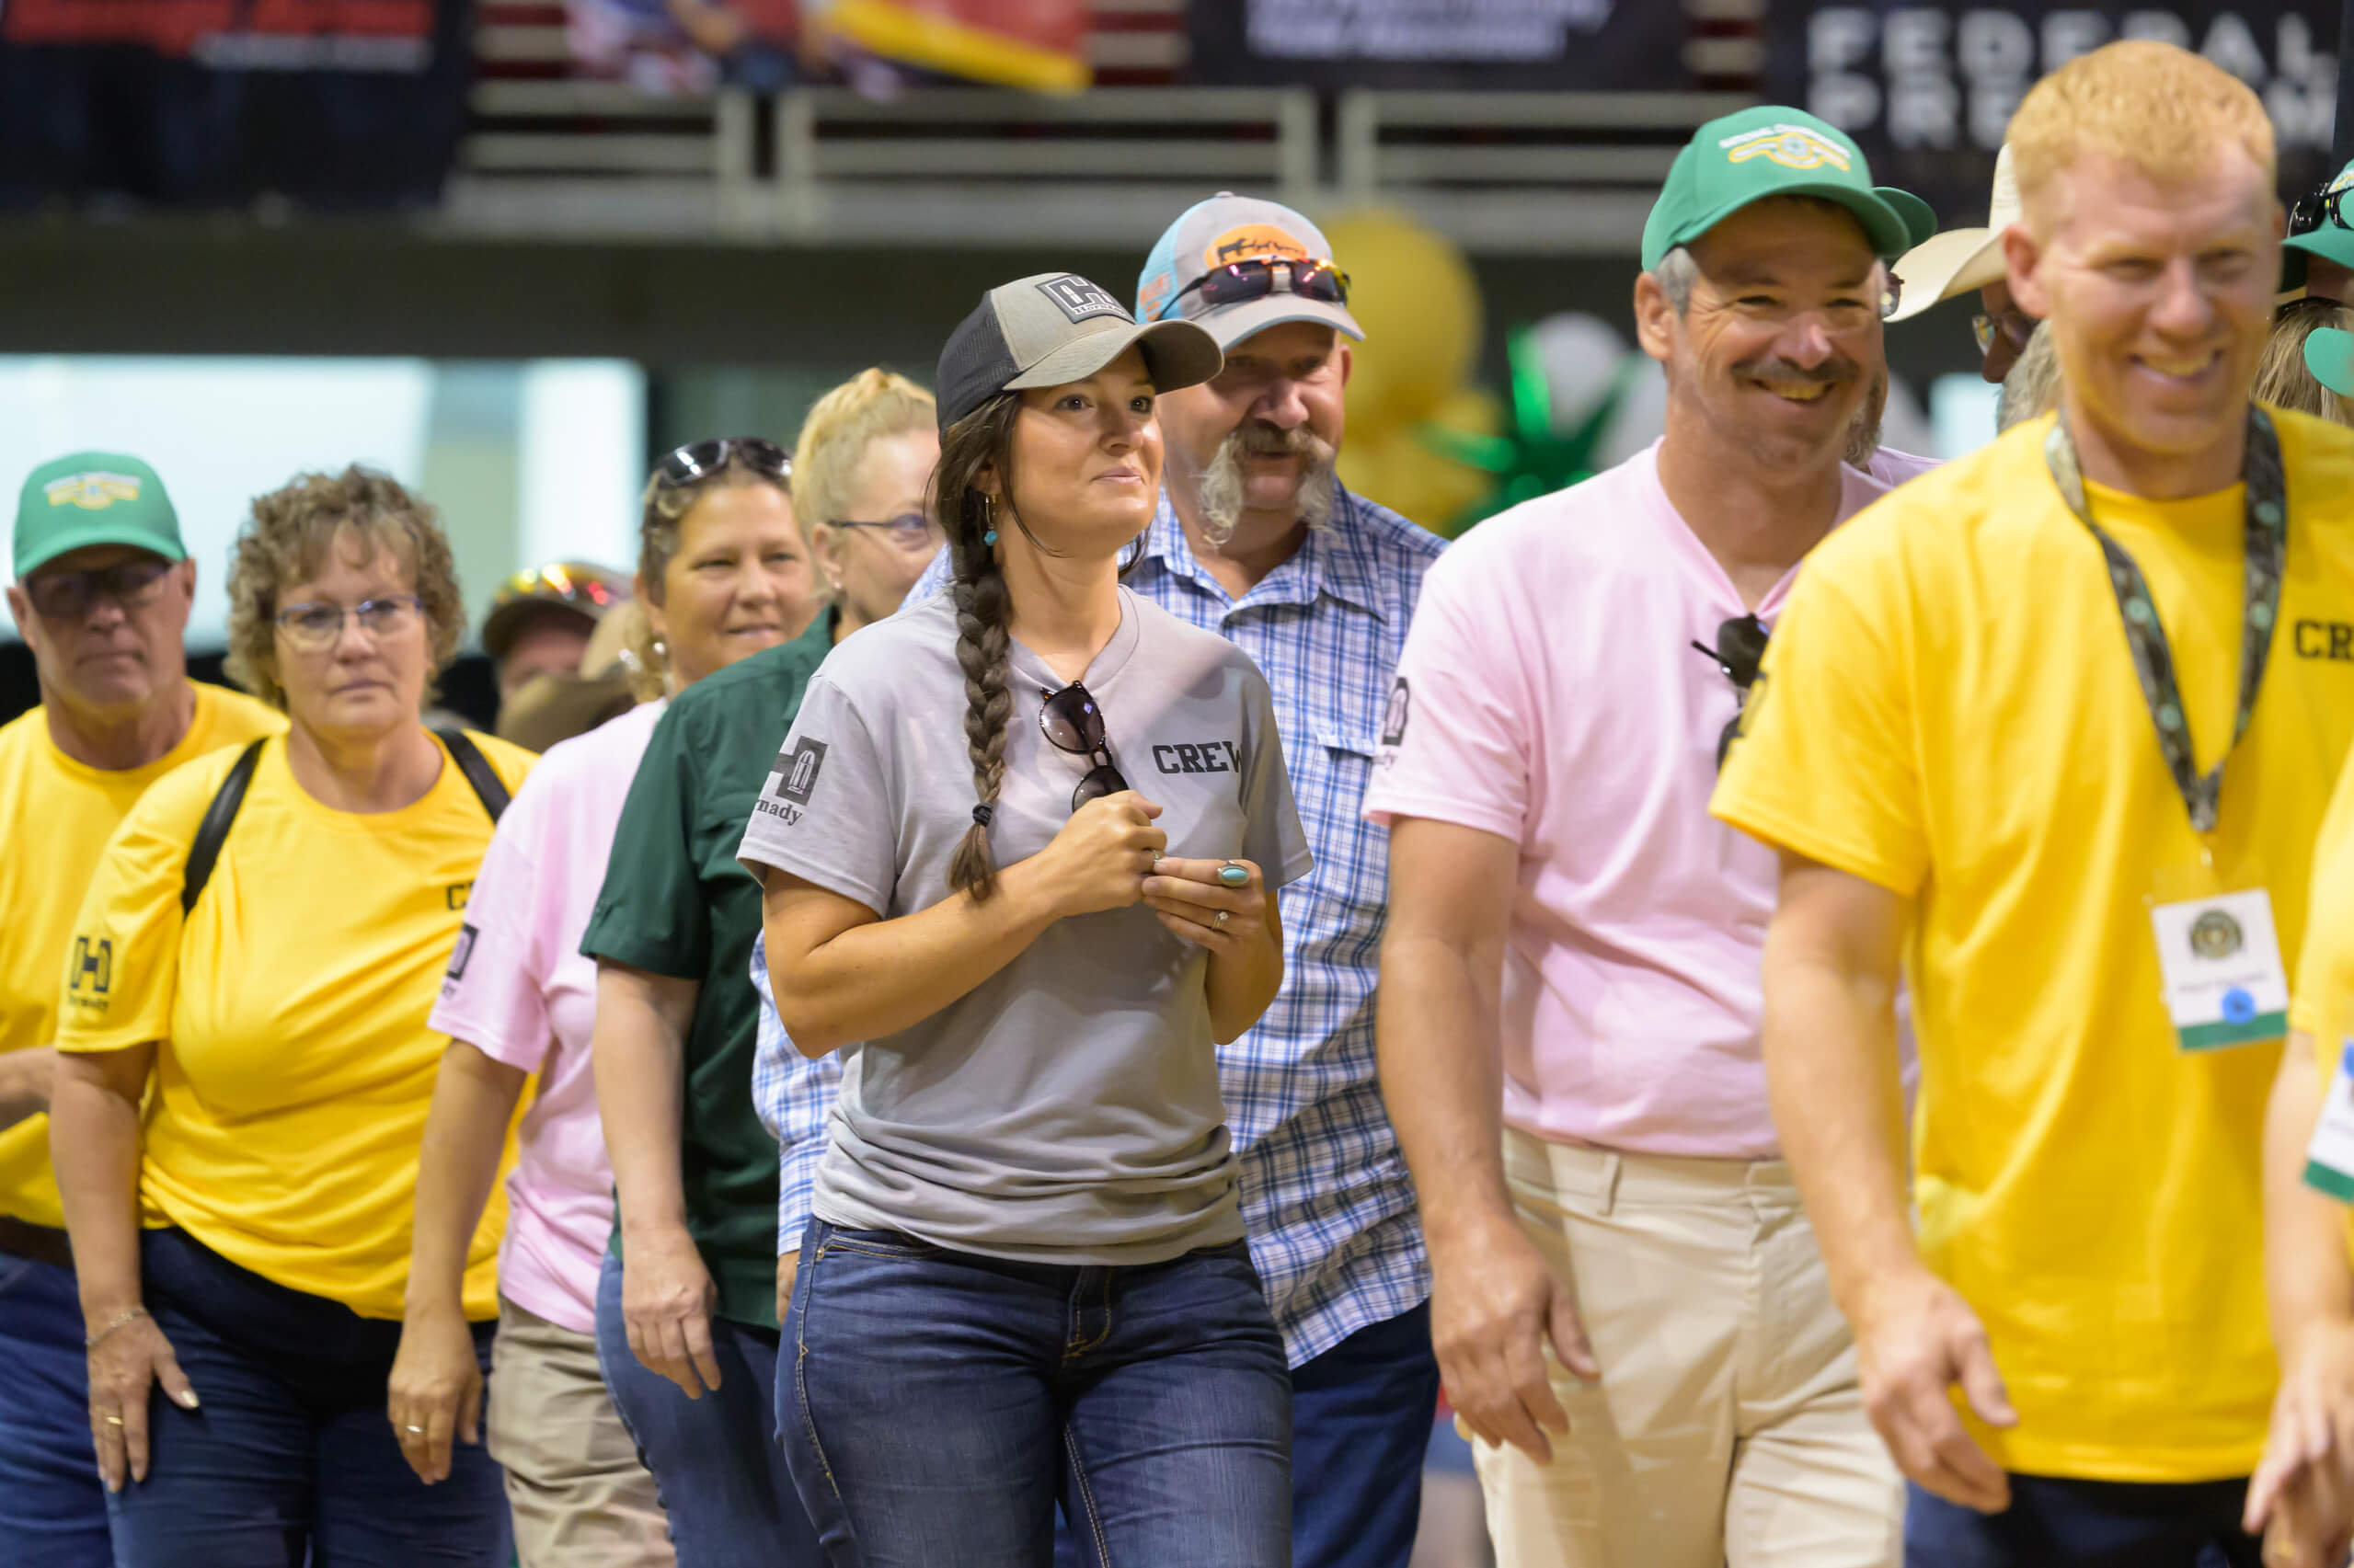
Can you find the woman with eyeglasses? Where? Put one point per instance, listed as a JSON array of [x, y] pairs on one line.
[[685, 1317], [245, 1067], [1019, 853], [721, 574], [859, 476]]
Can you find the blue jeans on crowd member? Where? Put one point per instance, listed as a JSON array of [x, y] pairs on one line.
[[53, 1505], [714, 1460], [939, 1405], [1361, 1414], [1361, 1426], [289, 1454], [2056, 1523]]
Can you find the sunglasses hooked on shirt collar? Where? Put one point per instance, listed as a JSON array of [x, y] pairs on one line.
[[1071, 722], [1740, 648]]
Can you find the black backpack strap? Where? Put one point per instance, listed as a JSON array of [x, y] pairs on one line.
[[489, 787], [213, 831]]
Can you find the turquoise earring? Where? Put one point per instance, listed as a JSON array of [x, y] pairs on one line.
[[990, 538]]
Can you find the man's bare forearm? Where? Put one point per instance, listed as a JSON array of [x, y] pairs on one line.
[[1442, 1079], [26, 1079]]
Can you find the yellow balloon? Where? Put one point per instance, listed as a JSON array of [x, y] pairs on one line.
[[1414, 293], [1398, 469]]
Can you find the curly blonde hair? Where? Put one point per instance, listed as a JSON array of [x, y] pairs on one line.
[[2281, 378], [287, 539]]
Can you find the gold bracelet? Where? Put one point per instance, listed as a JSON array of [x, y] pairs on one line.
[[132, 1316]]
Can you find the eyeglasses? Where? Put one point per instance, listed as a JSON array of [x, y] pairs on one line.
[[1740, 647], [314, 627], [68, 596], [1072, 723], [909, 530], [1891, 294], [2318, 207], [699, 460], [2014, 325], [1239, 280]]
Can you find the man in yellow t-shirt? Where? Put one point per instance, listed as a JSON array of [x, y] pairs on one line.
[[102, 594], [1989, 741]]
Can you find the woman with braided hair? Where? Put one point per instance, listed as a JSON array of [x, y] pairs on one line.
[[1019, 856]]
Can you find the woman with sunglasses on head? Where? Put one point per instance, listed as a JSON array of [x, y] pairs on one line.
[[1013, 857], [721, 575], [246, 1067], [685, 1313]]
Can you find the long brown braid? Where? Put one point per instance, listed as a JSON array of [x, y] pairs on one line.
[[981, 440]]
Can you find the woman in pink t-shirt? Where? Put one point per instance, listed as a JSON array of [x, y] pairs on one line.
[[723, 572]]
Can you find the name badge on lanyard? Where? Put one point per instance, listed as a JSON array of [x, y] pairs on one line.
[[2220, 954], [2329, 1158]]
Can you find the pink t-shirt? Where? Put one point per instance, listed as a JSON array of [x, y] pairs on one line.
[[1550, 693], [520, 992]]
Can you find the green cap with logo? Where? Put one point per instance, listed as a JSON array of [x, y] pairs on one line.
[[92, 497], [1777, 150]]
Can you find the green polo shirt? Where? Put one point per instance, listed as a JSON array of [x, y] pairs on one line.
[[675, 902]]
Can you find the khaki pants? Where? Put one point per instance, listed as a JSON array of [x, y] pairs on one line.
[[1727, 1427], [579, 1497]]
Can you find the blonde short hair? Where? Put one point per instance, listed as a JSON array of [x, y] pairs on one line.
[[840, 426], [288, 540], [2281, 378], [2157, 107]]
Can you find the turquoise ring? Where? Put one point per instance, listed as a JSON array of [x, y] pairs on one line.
[[1233, 876]]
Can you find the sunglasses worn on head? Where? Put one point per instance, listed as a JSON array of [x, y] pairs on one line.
[[699, 460], [1239, 280], [68, 596], [1740, 647], [1072, 723], [2315, 208]]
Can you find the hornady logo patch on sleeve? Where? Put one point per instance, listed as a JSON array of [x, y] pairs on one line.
[[91, 492], [796, 773], [1792, 146], [1079, 300], [1254, 242], [458, 956]]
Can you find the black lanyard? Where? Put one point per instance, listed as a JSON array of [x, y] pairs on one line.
[[2153, 661]]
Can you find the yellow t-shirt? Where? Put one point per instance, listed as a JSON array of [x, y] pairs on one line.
[[1949, 710], [55, 815], [294, 1067], [2324, 1004]]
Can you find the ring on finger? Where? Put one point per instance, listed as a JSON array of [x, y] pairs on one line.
[[114, 1420], [1221, 917], [419, 1430]]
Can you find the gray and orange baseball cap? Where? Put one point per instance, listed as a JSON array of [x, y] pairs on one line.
[[92, 497], [1055, 328], [1774, 150], [1225, 230]]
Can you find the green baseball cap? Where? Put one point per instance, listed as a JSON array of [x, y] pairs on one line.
[[2324, 235], [1774, 150], [92, 497]]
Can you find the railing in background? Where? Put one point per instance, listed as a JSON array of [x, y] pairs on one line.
[[1525, 172]]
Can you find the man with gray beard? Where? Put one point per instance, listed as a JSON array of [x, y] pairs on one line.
[[1257, 540]]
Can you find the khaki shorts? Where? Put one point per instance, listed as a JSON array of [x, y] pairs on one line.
[[1728, 1430], [580, 1495]]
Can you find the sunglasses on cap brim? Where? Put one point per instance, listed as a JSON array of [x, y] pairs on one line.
[[1236, 282]]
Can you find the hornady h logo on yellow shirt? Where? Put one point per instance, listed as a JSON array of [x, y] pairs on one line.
[[91, 492], [1792, 146], [93, 974]]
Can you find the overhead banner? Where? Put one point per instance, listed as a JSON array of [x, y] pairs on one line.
[[344, 103], [1039, 45], [1525, 45], [1927, 86]]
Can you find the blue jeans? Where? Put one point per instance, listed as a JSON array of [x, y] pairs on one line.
[[290, 1455], [2055, 1522], [52, 1506], [1361, 1426], [714, 1460], [941, 1404]]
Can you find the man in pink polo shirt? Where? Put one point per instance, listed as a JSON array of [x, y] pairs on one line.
[[1629, 1310]]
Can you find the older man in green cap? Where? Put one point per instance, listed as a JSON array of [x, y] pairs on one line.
[[102, 591], [1628, 1307]]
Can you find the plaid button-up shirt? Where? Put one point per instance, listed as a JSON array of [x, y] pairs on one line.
[[1324, 1191]]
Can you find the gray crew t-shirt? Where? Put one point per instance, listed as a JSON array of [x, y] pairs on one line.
[[1066, 1109]]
